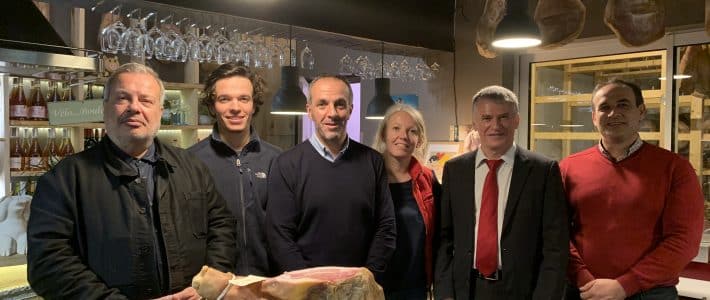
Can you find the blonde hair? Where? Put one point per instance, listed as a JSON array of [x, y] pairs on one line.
[[380, 144]]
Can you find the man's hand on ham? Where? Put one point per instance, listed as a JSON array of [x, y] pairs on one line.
[[186, 294]]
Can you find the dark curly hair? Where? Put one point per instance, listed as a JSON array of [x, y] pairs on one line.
[[230, 70]]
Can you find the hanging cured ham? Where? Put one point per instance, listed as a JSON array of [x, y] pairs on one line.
[[636, 22], [493, 13], [559, 21]]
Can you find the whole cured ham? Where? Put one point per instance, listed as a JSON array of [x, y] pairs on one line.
[[636, 22], [493, 13], [306, 284], [559, 21]]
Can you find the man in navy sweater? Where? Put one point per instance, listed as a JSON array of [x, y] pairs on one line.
[[328, 199]]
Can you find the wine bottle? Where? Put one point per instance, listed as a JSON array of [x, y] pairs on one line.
[[38, 104], [18, 102], [16, 151]]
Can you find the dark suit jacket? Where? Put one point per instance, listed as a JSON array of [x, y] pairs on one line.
[[534, 237]]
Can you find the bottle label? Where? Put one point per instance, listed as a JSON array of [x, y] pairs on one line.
[[38, 112], [18, 111], [35, 162], [16, 163]]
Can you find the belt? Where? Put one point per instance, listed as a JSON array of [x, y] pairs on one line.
[[497, 275]]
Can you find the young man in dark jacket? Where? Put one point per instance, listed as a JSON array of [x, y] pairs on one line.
[[131, 218], [238, 160]]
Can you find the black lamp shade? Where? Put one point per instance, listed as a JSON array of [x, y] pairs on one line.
[[382, 100], [517, 25], [289, 99]]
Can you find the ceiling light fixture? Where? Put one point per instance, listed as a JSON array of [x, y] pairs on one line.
[[517, 29], [382, 100], [289, 99]]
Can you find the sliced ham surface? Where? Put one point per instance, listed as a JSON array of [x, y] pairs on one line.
[[636, 22], [559, 21], [324, 283]]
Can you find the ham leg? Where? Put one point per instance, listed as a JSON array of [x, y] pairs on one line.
[[493, 13], [559, 21], [636, 22], [324, 283]]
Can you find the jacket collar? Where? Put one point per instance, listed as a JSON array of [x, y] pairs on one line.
[[118, 167], [254, 144]]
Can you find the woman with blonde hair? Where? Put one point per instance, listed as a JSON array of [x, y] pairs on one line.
[[401, 138]]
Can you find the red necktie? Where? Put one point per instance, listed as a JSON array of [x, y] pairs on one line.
[[487, 238]]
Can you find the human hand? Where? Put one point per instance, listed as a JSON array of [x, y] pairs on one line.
[[602, 289], [186, 294]]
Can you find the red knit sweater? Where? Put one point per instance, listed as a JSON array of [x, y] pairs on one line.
[[638, 221]]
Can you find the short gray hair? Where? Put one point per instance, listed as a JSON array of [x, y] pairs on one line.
[[498, 94], [322, 76], [133, 68]]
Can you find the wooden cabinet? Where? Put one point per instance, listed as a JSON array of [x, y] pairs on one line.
[[560, 105]]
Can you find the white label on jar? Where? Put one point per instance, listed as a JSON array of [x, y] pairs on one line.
[[18, 111], [38, 112], [16, 163]]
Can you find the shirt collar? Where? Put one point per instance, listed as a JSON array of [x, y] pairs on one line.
[[508, 157], [323, 151], [150, 156], [635, 146]]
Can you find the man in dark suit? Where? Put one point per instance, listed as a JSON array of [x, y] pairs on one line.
[[504, 234]]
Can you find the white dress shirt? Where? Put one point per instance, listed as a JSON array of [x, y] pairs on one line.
[[505, 172]]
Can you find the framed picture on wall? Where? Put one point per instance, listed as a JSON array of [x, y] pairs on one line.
[[439, 152], [409, 99]]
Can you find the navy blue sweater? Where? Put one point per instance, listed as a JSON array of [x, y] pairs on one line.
[[330, 214]]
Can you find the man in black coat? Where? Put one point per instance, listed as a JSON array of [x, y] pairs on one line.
[[131, 218], [504, 234]]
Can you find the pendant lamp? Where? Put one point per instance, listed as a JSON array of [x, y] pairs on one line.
[[382, 100], [289, 99], [517, 29]]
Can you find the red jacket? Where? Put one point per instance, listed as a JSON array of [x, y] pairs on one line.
[[426, 191]]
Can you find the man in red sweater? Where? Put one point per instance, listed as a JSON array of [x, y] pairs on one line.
[[636, 209]]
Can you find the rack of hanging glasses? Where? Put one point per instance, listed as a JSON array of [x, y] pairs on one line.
[[148, 30]]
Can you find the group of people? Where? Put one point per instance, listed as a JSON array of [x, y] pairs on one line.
[[135, 218]]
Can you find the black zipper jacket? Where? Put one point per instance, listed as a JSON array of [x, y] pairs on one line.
[[241, 179]]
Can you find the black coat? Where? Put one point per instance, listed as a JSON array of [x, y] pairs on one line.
[[241, 180], [534, 241], [84, 238]]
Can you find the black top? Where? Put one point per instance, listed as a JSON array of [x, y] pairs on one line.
[[240, 177], [322, 213], [406, 269]]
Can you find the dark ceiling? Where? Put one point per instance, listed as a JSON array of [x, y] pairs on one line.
[[420, 23]]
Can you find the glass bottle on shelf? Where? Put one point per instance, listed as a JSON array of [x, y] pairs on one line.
[[35, 153], [54, 95], [16, 151], [89, 91], [38, 105], [67, 148], [18, 102], [89, 140], [26, 149], [51, 153], [67, 96], [98, 134]]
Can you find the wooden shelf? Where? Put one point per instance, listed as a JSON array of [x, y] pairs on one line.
[[26, 173], [649, 96], [43, 124], [587, 136]]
